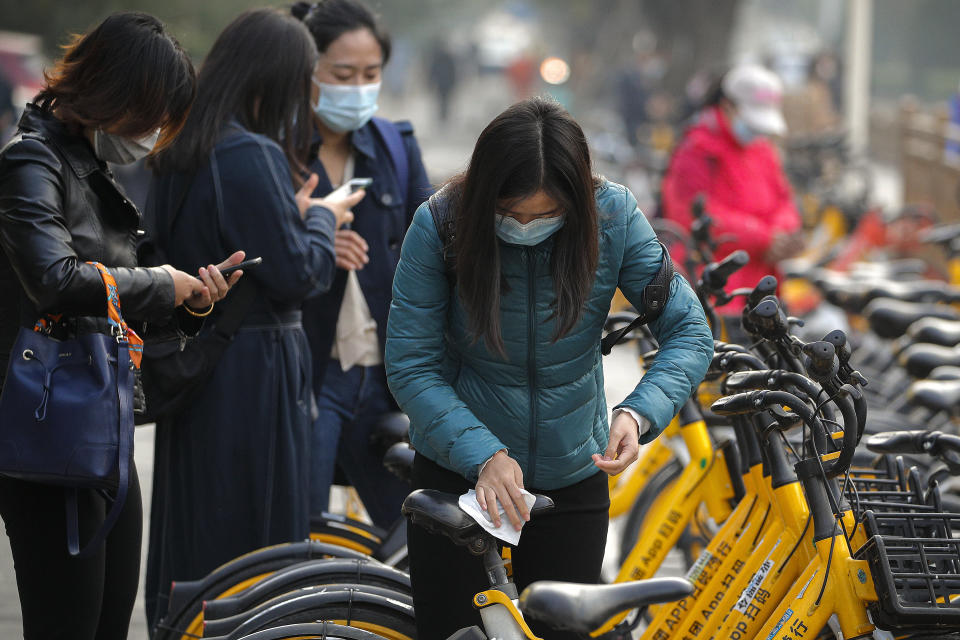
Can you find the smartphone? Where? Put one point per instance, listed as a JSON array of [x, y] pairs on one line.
[[351, 186], [359, 183], [243, 265]]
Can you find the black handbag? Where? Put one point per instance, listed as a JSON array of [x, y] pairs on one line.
[[66, 413], [175, 370]]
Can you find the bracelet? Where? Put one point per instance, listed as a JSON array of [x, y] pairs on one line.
[[203, 314]]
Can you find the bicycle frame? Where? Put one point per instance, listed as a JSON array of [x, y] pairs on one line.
[[501, 618], [675, 507], [655, 456], [736, 540]]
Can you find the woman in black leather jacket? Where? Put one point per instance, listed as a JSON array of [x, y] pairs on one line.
[[118, 91]]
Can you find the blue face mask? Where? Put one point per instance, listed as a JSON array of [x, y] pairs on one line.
[[742, 131], [530, 234], [346, 107]]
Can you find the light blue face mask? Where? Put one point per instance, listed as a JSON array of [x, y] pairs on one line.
[[742, 131], [346, 107], [534, 232]]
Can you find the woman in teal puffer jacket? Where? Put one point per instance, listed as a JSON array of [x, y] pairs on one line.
[[498, 366]]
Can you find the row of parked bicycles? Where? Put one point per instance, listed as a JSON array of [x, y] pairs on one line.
[[811, 485]]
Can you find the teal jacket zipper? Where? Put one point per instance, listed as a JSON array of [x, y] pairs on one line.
[[532, 363]]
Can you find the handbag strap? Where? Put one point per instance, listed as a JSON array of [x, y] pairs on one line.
[[125, 454], [118, 327], [117, 324]]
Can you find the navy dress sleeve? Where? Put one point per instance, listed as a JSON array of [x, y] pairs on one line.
[[255, 195]]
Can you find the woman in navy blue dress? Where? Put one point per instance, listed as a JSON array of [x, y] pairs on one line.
[[231, 472]]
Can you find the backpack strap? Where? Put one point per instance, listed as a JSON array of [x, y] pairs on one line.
[[654, 300], [439, 205], [397, 151]]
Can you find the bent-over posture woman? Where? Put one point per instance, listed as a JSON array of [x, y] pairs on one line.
[[500, 373]]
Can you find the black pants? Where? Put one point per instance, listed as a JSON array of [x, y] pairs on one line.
[[566, 543], [64, 597]]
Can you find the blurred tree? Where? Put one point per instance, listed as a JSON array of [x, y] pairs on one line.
[[195, 24], [691, 34]]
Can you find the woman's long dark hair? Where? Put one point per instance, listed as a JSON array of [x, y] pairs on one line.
[[532, 146], [258, 72], [327, 20], [127, 75]]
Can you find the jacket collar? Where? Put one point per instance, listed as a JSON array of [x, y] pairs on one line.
[[716, 120], [362, 141], [75, 148]]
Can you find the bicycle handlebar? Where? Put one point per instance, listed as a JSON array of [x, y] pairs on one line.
[[769, 319], [756, 401], [774, 379], [716, 274], [766, 287], [821, 361]]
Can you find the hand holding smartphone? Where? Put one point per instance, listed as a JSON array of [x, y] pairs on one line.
[[350, 186], [347, 189], [246, 264]]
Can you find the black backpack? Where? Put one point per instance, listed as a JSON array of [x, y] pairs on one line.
[[654, 298]]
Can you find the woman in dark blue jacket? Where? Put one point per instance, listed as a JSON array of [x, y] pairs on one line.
[[231, 472], [347, 326]]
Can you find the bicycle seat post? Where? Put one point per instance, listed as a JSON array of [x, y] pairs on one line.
[[496, 571]]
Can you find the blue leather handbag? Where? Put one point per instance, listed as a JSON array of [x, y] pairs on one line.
[[66, 413]]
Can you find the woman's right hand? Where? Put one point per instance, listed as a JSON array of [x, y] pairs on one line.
[[502, 479], [339, 205]]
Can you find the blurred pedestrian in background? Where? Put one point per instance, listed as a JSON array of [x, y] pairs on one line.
[[442, 77], [120, 92], [727, 157], [496, 359], [231, 473], [347, 325]]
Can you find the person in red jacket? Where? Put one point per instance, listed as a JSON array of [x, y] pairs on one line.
[[726, 156]]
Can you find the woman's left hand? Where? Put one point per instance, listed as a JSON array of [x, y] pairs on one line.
[[624, 445], [215, 286]]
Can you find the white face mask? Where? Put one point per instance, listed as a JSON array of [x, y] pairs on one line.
[[346, 107], [534, 232], [121, 150]]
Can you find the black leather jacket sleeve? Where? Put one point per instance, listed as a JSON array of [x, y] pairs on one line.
[[37, 239]]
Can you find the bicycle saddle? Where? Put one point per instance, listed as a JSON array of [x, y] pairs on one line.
[[913, 291], [391, 428], [935, 331], [891, 318], [920, 359], [439, 512], [939, 395], [582, 608], [840, 290], [399, 460], [945, 372]]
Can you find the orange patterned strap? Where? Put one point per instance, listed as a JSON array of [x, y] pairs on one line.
[[134, 342], [117, 324]]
